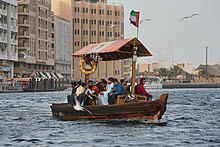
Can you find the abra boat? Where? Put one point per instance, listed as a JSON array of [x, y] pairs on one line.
[[108, 51], [134, 110]]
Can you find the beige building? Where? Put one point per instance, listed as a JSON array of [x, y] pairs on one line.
[[62, 38], [8, 38], [35, 42], [145, 67], [94, 21]]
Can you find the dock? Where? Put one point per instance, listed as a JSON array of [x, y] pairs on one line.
[[190, 85]]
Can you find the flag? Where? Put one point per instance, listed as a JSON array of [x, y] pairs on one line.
[[134, 18]]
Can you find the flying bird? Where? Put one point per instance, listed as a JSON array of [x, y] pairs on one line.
[[188, 17], [25, 55], [79, 107], [144, 20], [112, 25]]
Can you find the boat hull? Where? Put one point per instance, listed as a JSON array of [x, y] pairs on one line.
[[135, 110]]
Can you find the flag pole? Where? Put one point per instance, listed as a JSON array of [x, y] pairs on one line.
[[134, 60]]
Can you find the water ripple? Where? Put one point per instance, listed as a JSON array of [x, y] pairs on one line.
[[192, 119]]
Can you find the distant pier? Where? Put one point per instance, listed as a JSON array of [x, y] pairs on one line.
[[190, 85]]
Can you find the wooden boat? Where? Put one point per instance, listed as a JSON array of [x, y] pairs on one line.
[[108, 51], [133, 110]]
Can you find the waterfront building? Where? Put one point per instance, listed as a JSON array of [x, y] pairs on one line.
[[62, 38], [8, 38], [94, 21], [35, 42]]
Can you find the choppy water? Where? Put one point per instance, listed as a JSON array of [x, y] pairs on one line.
[[192, 119]]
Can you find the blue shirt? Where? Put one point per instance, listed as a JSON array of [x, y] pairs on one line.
[[119, 89]]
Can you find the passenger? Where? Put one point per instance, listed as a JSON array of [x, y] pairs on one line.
[[135, 86], [141, 90], [118, 89], [90, 84], [79, 89], [101, 91], [70, 98], [104, 97], [98, 87], [124, 83], [81, 96]]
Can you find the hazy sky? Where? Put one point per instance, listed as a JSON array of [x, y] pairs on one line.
[[167, 38]]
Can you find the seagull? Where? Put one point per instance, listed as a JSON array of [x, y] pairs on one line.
[[112, 25], [111, 38], [187, 17], [144, 20], [78, 106], [25, 55]]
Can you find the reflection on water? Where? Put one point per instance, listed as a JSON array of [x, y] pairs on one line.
[[192, 119]]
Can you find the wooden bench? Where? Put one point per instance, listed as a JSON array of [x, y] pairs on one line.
[[121, 99]]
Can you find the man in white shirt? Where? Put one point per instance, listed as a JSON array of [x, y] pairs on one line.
[[79, 90], [104, 97]]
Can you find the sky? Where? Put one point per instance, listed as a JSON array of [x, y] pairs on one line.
[[167, 38]]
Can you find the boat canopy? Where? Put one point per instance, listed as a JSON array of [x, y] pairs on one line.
[[114, 50]]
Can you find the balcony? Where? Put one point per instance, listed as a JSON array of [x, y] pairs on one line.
[[25, 23], [3, 54], [13, 41], [14, 28], [4, 12], [23, 46], [24, 12], [23, 35], [14, 15], [3, 25], [3, 39]]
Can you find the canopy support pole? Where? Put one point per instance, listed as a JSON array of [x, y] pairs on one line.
[[86, 78], [134, 60]]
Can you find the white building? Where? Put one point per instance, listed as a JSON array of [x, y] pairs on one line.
[[62, 47], [8, 37]]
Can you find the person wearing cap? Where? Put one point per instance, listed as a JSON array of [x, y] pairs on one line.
[[117, 89]]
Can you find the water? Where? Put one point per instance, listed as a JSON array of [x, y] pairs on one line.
[[192, 119]]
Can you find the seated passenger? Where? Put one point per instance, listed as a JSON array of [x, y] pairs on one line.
[[81, 96], [141, 90], [118, 89], [103, 98], [70, 98], [124, 83]]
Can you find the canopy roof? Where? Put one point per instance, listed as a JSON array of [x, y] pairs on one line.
[[114, 50]]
